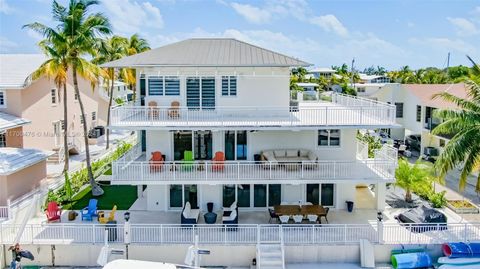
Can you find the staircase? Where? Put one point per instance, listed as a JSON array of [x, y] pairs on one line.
[[58, 155], [270, 256]]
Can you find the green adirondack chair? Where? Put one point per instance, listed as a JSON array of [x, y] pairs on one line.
[[187, 162]]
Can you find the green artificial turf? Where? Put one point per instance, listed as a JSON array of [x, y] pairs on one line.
[[122, 196]]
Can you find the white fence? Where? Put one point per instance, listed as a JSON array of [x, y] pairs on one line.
[[4, 212], [242, 234], [349, 111]]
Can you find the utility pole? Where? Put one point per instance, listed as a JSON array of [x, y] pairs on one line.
[[448, 61], [353, 74]]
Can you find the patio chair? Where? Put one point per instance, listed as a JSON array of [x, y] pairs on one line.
[[218, 161], [312, 218], [53, 212], [188, 161], [227, 211], [111, 216], [297, 218], [231, 219], [326, 213], [90, 211], [153, 111], [273, 215], [189, 215], [156, 162], [284, 219], [174, 110]]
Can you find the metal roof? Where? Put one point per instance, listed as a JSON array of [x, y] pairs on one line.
[[425, 93], [15, 69], [208, 52], [9, 121], [15, 159]]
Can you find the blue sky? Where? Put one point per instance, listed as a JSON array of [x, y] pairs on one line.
[[383, 32]]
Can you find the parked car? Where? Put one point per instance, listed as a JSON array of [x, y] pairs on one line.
[[413, 142], [430, 154]]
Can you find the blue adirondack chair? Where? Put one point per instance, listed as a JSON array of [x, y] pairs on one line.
[[90, 211]]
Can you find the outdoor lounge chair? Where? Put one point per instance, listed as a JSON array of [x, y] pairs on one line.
[[189, 215], [153, 112], [227, 211], [156, 162], [231, 219], [111, 216], [90, 211], [188, 161], [174, 110], [53, 212], [218, 161]]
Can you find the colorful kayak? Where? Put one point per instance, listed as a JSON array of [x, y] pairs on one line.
[[446, 260], [455, 266]]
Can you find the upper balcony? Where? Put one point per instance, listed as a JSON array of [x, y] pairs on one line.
[[342, 111]]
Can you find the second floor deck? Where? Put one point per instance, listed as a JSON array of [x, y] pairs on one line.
[[341, 111], [134, 168]]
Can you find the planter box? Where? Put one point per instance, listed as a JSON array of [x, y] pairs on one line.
[[462, 207]]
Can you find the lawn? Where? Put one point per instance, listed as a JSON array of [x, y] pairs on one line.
[[122, 196]]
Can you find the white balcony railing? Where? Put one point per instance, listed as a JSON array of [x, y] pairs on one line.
[[128, 169], [342, 111], [244, 234], [4, 212]]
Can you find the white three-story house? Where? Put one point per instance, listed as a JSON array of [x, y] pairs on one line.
[[217, 125]]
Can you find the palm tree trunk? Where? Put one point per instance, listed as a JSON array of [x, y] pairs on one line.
[[408, 196], [65, 129], [112, 79], [96, 190]]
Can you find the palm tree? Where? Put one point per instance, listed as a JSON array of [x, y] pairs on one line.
[[80, 30], [56, 69], [464, 123], [135, 45], [408, 175], [110, 49]]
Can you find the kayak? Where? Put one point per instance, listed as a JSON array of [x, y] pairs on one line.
[[457, 261]]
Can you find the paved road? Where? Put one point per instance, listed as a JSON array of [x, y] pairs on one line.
[[451, 181]]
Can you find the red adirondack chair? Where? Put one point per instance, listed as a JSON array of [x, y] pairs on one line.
[[218, 161], [53, 212], [156, 162]]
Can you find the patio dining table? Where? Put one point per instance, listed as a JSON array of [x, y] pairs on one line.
[[304, 210]]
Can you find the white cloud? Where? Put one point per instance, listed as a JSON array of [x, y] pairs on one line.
[[445, 44], [34, 35], [330, 23], [463, 26], [5, 7], [128, 16], [252, 14], [6, 45]]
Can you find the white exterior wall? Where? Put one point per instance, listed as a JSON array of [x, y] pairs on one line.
[[160, 141], [257, 87], [157, 197], [210, 193]]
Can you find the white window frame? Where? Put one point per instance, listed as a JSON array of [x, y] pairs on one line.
[[53, 96], [162, 77], [94, 115], [4, 95], [229, 93], [329, 144], [320, 194]]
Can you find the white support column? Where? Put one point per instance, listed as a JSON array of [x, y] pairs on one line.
[[139, 191], [380, 192]]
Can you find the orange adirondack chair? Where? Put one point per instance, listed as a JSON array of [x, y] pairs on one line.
[[153, 111], [156, 162], [218, 161], [53, 212]]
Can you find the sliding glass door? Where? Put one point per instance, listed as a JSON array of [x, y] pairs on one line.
[[236, 145], [252, 195], [180, 194], [182, 141], [203, 145], [323, 194]]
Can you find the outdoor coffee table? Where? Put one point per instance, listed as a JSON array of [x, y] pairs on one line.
[[210, 218]]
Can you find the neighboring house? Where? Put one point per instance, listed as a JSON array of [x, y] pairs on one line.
[[365, 79], [415, 109], [234, 100], [41, 103], [120, 91], [21, 171], [321, 72]]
